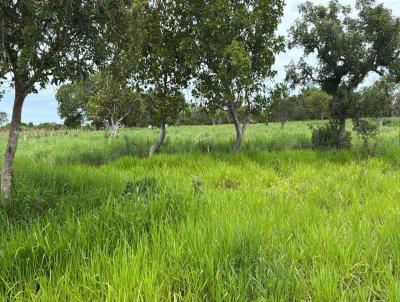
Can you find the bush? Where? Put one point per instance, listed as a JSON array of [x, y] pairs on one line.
[[327, 136], [365, 130]]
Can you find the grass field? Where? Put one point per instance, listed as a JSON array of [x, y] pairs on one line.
[[98, 221]]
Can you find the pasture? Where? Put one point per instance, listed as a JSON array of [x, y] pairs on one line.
[[94, 220]]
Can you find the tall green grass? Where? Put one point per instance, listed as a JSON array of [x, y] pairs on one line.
[[98, 221]]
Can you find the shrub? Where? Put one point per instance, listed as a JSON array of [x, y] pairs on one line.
[[327, 136], [365, 130]]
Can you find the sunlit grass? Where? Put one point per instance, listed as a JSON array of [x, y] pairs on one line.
[[99, 221]]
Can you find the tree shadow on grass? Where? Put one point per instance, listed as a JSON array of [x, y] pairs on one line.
[[41, 190], [266, 153], [127, 146], [56, 220]]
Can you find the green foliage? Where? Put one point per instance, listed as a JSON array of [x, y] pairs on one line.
[[164, 65], [327, 137], [378, 100], [309, 104], [282, 106], [72, 99], [113, 101], [102, 99], [316, 103], [236, 44], [354, 47], [366, 130], [48, 41]]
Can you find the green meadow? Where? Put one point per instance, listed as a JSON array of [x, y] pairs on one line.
[[94, 220]]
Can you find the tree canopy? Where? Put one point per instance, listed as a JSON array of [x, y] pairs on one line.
[[347, 48], [237, 43]]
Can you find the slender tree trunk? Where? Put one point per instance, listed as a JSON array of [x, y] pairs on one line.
[[238, 127], [8, 161], [159, 142]]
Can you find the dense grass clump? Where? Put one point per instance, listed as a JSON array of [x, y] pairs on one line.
[[98, 221]]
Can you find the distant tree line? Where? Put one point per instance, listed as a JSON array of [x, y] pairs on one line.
[[76, 107]]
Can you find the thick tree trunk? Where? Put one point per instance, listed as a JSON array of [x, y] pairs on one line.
[[342, 129], [8, 161], [115, 127], [159, 142], [340, 117], [238, 127], [113, 132]]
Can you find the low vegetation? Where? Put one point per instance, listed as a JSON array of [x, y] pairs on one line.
[[280, 221]]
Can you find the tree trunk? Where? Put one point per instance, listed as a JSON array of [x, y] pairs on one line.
[[340, 116], [114, 130], [8, 161], [159, 142], [239, 129], [342, 130]]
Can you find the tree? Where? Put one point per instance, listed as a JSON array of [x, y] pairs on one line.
[[3, 118], [316, 102], [112, 102], [309, 104], [106, 100], [45, 42], [347, 49], [236, 46], [164, 66], [72, 99], [377, 100], [365, 130], [282, 106]]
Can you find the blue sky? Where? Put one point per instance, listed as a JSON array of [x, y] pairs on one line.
[[42, 107]]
